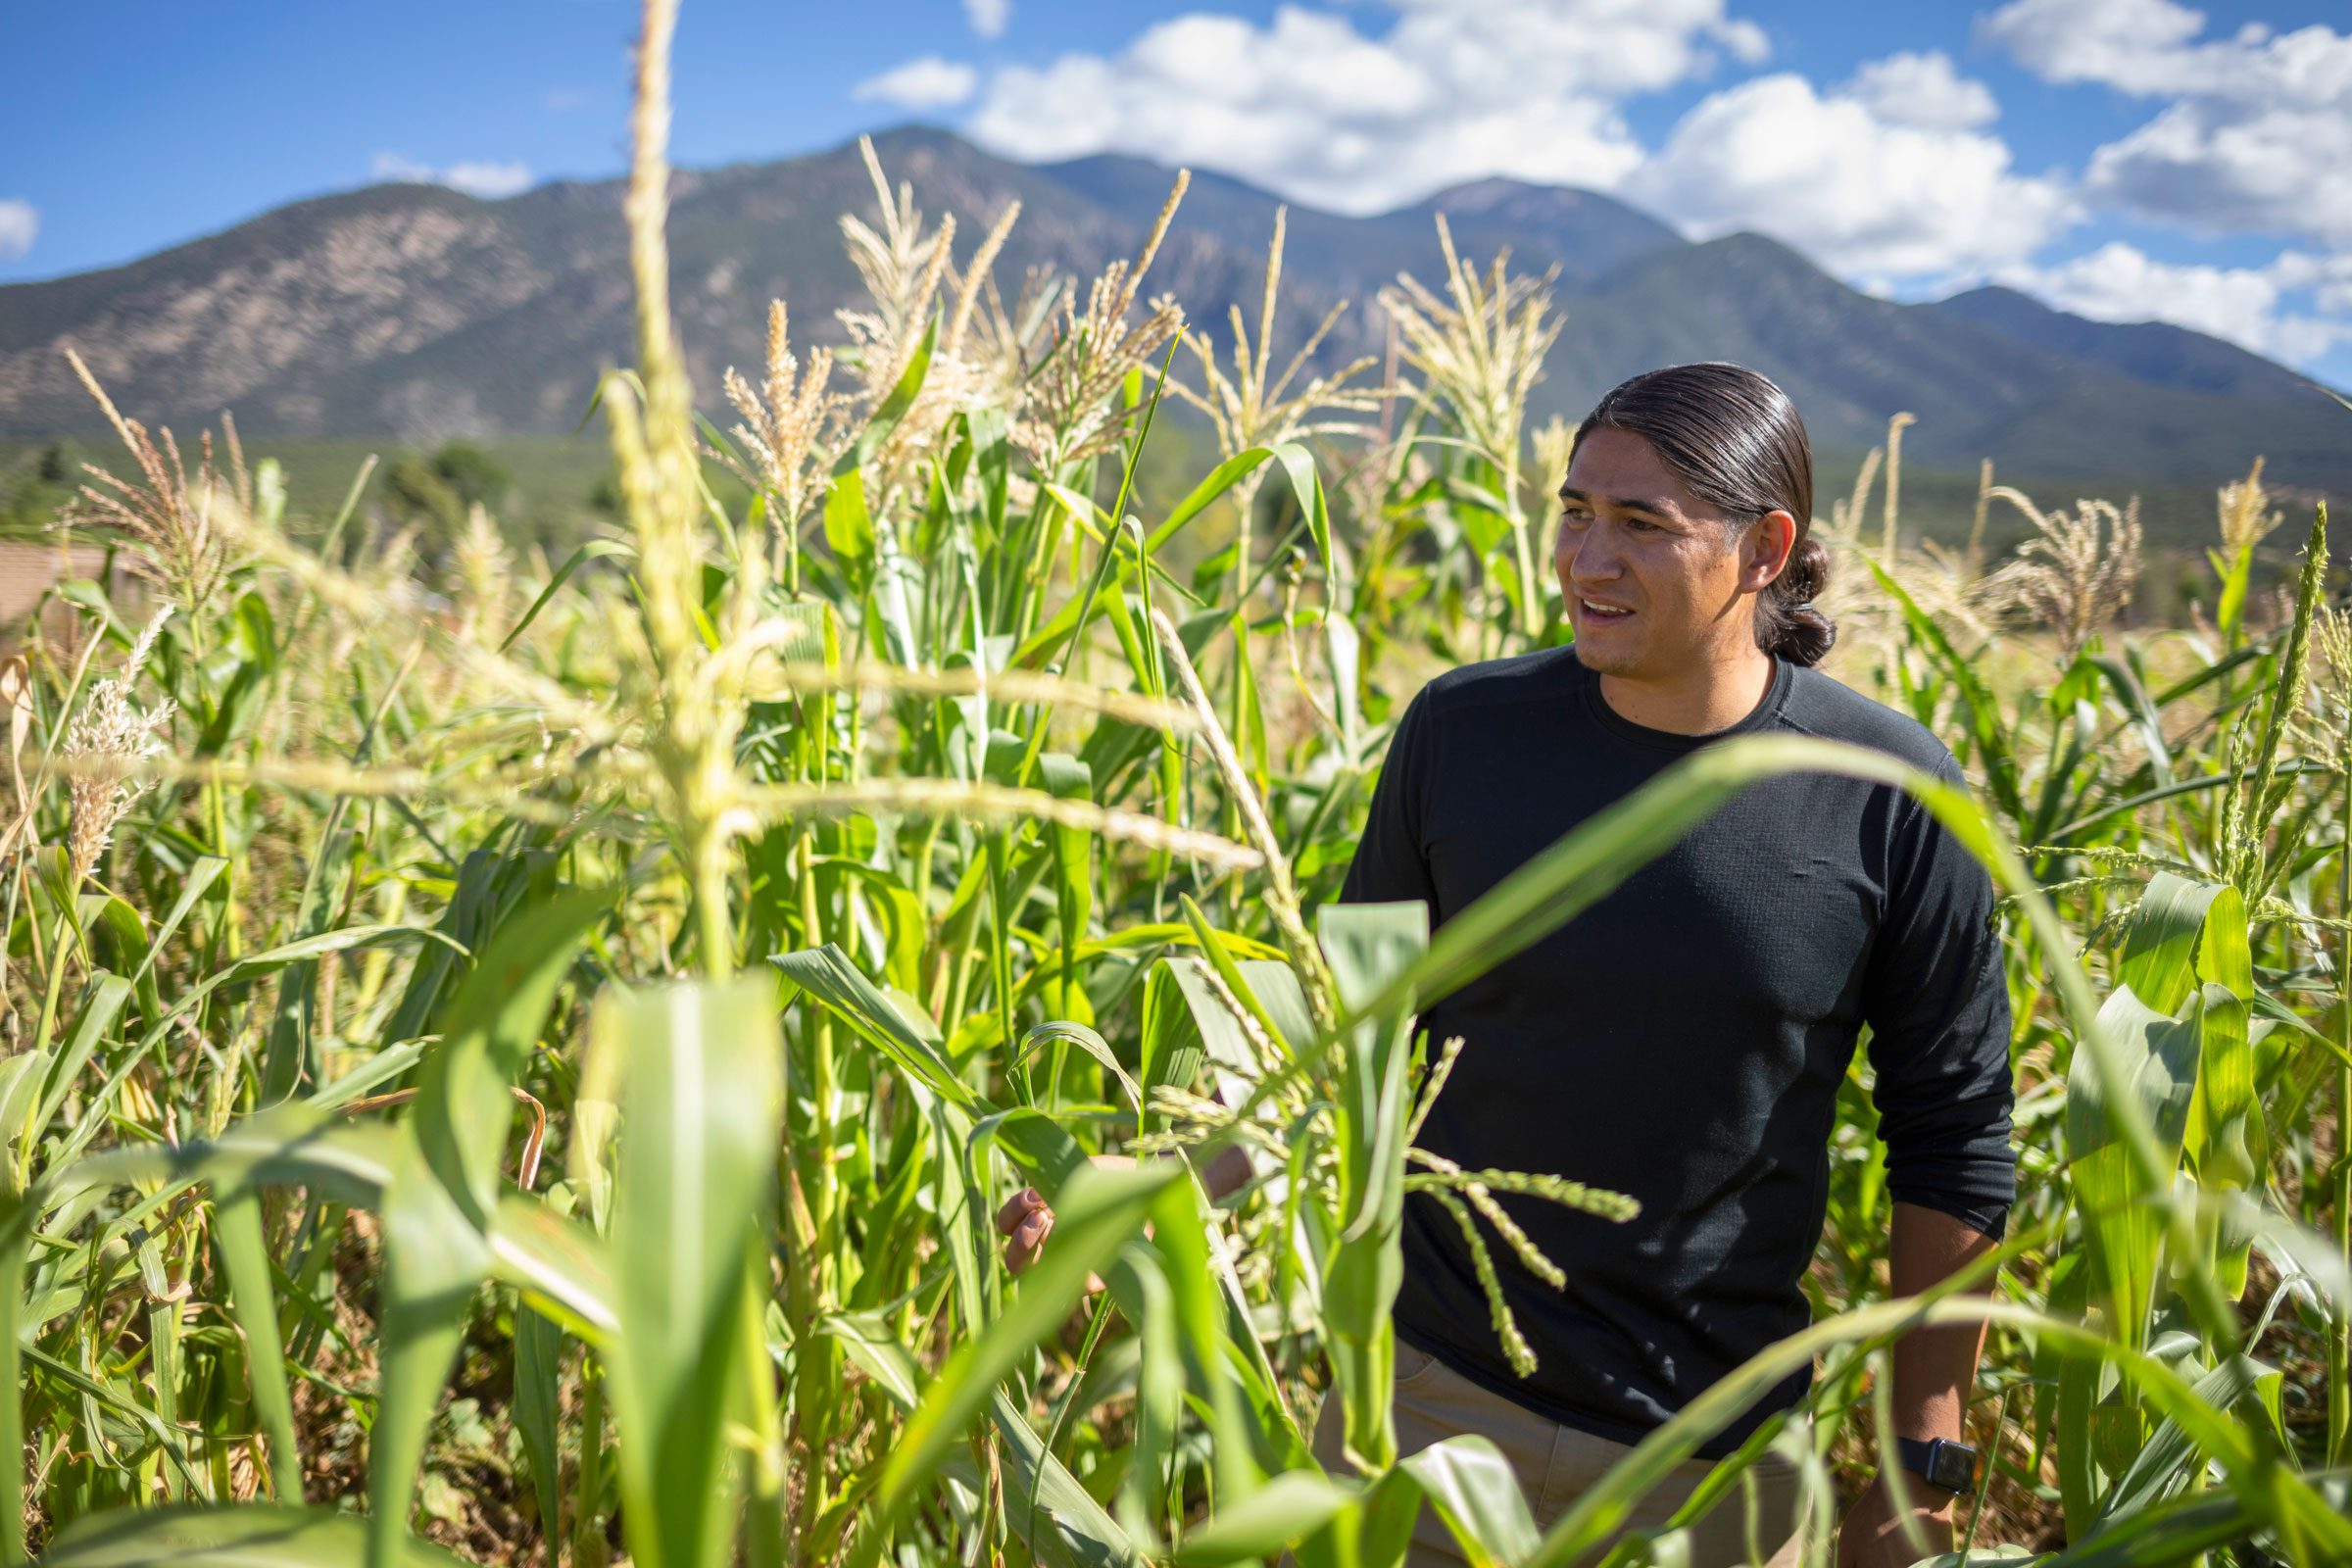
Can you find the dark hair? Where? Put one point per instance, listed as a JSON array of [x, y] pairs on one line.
[[1736, 442]]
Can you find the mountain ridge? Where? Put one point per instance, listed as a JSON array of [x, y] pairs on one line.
[[418, 312]]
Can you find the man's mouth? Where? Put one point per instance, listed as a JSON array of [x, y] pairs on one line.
[[1603, 611]]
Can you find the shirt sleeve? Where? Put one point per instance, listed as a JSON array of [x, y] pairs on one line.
[[1938, 1004], [1390, 864]]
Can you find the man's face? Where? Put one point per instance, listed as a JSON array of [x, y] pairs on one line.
[[1653, 578]]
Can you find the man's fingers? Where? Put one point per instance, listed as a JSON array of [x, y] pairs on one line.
[[1018, 1207], [1028, 1240]]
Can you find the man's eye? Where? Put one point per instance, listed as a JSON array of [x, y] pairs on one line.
[[1575, 516], [1641, 525]]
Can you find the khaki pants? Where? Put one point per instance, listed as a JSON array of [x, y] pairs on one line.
[[1557, 1463]]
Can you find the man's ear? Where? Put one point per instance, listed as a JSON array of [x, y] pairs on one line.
[[1766, 550]]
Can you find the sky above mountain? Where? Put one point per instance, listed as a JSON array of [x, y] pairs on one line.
[[2129, 160]]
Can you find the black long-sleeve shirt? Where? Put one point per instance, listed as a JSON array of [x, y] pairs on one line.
[[1683, 1040]]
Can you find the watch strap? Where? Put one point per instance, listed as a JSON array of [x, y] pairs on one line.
[[1941, 1463]]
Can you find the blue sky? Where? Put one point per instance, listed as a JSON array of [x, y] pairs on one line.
[[2128, 159]]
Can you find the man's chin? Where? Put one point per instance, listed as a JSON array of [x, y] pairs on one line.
[[1597, 654]]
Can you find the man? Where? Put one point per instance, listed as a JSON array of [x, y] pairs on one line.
[[1683, 1040]]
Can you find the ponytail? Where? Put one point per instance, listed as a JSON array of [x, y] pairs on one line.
[[1787, 625]]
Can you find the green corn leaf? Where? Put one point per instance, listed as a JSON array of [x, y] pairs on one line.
[[203, 871], [253, 1535], [2294, 1247], [2224, 1137], [21, 1079], [1180, 1232], [1141, 1287], [1034, 1141], [119, 937], [244, 1255], [828, 977], [2145, 721], [873, 1345], [893, 408], [1603, 1509], [435, 1258], [1369, 946], [562, 1267], [702, 1097], [2167, 1461], [1086, 1040], [1067, 1528], [1096, 1213], [463, 1103], [1475, 1491], [15, 1241], [101, 1005], [1297, 464], [593, 550], [2123, 1230], [1373, 1530], [538, 1352], [490, 882], [1219, 1028], [387, 1066], [850, 528], [2160, 947], [290, 1146], [1172, 1043], [1294, 1504], [1980, 708], [351, 939], [291, 1055], [132, 1421]]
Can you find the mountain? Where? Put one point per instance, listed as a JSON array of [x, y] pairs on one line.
[[418, 313], [1581, 232], [2155, 352]]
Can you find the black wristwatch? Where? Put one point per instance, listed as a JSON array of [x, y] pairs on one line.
[[1944, 1464]]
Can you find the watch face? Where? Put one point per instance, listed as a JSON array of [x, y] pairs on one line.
[[1953, 1466]]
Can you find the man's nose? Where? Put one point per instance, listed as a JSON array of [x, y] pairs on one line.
[[1592, 558]]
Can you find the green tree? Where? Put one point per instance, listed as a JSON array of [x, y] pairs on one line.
[[434, 493]]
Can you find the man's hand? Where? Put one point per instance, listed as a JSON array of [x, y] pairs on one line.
[[1025, 1221], [1872, 1535], [1934, 1370]]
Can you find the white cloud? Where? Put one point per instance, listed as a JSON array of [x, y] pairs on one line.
[[1921, 90], [1890, 177], [2258, 132], [926, 84], [1309, 106], [2137, 45], [989, 18], [1869, 195], [405, 171], [2247, 305], [488, 181], [20, 227]]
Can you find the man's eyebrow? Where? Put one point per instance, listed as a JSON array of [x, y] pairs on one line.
[[1656, 506]]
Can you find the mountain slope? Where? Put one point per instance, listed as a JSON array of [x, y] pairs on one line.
[[418, 312], [2068, 399], [1581, 232], [2155, 352]]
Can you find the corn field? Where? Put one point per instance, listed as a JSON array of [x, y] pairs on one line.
[[529, 1069]]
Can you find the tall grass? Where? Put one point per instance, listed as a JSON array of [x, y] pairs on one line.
[[530, 1072]]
